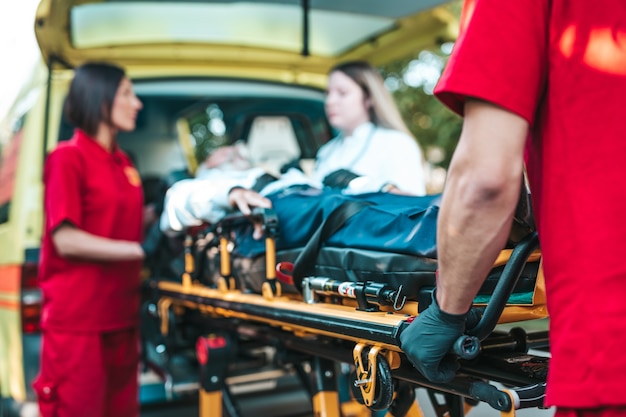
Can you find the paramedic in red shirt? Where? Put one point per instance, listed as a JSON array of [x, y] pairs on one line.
[[547, 78], [91, 256]]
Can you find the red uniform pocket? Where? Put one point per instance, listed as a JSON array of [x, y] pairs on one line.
[[46, 396]]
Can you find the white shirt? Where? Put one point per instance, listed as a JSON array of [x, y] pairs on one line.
[[379, 155], [194, 201]]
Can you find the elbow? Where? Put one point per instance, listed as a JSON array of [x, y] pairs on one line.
[[493, 192], [480, 188], [486, 189], [65, 243], [63, 249]]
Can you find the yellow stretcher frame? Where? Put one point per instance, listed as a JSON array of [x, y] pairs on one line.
[[297, 321]]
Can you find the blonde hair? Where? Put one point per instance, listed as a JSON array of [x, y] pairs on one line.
[[383, 111]]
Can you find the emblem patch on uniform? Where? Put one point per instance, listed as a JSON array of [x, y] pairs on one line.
[[133, 176]]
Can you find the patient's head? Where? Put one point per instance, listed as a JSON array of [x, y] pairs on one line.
[[231, 157]]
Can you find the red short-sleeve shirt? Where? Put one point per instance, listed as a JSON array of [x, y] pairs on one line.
[[561, 65], [99, 192]]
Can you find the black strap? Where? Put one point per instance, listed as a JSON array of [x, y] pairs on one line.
[[339, 179], [263, 181], [305, 262]]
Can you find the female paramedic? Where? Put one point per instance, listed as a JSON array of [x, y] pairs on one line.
[[374, 150], [91, 256]]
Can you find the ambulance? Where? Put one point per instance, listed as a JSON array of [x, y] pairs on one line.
[[208, 73]]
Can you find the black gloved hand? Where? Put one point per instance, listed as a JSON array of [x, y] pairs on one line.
[[339, 179], [428, 340], [474, 315]]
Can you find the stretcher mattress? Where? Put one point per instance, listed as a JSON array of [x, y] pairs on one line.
[[388, 239]]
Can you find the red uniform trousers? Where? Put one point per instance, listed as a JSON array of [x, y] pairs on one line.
[[89, 374]]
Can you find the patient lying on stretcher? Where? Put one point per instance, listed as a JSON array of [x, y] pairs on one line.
[[227, 181], [386, 226]]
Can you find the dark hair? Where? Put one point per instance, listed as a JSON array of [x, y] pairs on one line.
[[91, 95]]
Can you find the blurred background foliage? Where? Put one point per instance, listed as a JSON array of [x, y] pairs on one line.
[[412, 81]]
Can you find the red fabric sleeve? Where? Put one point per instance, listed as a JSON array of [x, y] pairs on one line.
[[63, 187], [500, 56]]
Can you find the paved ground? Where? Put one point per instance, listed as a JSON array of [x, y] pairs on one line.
[[296, 404], [190, 409]]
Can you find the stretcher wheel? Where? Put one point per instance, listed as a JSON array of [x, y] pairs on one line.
[[382, 384]]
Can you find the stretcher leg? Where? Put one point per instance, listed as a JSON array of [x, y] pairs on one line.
[[210, 403], [325, 395], [353, 408], [414, 411], [228, 403], [214, 353], [452, 405], [404, 403]]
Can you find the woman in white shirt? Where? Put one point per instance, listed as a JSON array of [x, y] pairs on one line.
[[373, 152], [374, 143]]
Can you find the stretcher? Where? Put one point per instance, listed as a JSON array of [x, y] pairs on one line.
[[326, 321]]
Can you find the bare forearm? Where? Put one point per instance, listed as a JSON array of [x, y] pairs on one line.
[[72, 242], [471, 233], [479, 200]]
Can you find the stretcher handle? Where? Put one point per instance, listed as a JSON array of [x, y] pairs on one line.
[[466, 347], [530, 396], [267, 218], [504, 288]]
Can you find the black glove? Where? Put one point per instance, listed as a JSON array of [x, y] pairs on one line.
[[473, 317], [428, 341], [339, 179]]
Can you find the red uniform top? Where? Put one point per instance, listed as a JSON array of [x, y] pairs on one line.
[[99, 192], [561, 65]]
